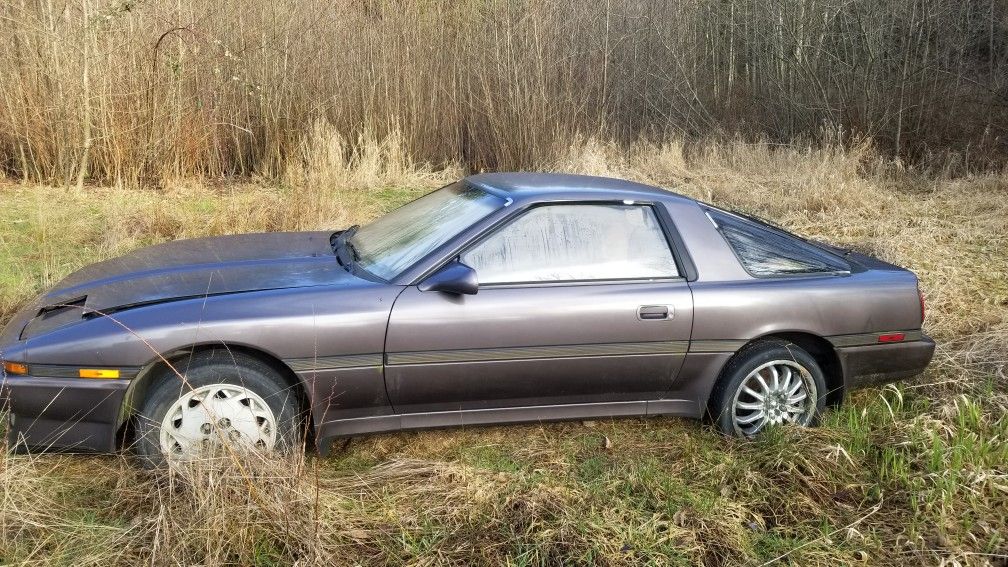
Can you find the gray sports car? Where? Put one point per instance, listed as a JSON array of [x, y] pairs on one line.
[[501, 298]]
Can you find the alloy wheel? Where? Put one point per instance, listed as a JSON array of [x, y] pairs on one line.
[[774, 393]]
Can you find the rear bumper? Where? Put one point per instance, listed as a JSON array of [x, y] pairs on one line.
[[70, 414], [880, 363]]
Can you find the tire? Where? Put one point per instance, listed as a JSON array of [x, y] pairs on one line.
[[736, 403], [226, 399]]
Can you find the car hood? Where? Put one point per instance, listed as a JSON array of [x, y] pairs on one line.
[[186, 269]]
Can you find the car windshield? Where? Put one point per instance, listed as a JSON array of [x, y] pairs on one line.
[[396, 241]]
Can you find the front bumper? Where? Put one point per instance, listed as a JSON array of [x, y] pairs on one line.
[[70, 414], [880, 363]]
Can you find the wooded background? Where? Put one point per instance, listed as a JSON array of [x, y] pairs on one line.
[[141, 90]]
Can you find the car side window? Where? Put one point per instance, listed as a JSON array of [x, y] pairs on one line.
[[557, 243], [766, 252]]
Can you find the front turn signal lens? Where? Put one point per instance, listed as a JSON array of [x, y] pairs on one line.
[[98, 373], [16, 368]]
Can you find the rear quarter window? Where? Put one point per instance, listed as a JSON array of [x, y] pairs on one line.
[[768, 252]]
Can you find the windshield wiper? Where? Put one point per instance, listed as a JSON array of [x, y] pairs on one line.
[[336, 239], [341, 245], [354, 255]]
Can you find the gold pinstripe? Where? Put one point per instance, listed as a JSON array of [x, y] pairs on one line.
[[557, 351], [334, 362], [519, 353], [716, 345]]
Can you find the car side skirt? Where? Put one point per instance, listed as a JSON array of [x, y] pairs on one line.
[[501, 416]]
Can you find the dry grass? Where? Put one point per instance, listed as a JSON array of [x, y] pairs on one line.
[[915, 473]]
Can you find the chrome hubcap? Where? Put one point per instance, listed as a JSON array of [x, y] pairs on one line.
[[210, 417], [776, 392]]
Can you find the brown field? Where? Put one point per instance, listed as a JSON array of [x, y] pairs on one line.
[[906, 474]]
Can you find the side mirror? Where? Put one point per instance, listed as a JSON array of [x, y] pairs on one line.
[[455, 278]]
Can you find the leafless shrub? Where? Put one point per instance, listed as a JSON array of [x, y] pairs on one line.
[[155, 91]]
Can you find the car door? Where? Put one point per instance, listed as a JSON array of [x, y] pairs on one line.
[[577, 304]]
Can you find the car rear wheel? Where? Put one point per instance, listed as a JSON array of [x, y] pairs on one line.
[[769, 383], [227, 403]]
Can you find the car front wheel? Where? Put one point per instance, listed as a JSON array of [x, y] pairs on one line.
[[769, 383], [226, 403]]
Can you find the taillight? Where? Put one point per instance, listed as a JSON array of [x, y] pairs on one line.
[[892, 338], [920, 294]]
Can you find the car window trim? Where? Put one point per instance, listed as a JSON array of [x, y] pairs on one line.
[[579, 283], [623, 202], [680, 253]]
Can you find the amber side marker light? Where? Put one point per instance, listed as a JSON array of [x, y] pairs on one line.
[[15, 368], [98, 373], [891, 337]]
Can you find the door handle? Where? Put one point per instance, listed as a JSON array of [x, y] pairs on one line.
[[655, 312]]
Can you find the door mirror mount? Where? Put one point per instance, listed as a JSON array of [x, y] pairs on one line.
[[455, 278]]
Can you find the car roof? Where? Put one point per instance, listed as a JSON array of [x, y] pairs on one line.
[[563, 186]]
